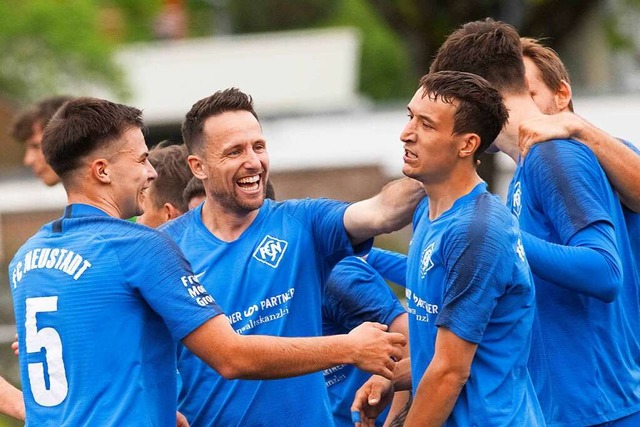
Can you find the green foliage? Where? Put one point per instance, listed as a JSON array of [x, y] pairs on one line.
[[51, 45], [386, 72], [138, 17], [251, 16]]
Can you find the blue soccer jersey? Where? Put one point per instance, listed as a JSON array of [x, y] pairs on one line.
[[270, 281], [467, 272], [390, 265], [99, 304], [355, 293], [585, 352]]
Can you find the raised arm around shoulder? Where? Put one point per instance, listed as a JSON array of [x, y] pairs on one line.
[[620, 162], [443, 380], [11, 402], [388, 211], [263, 357]]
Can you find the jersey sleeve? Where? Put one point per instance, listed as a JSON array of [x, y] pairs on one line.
[[477, 258], [355, 293], [156, 268], [326, 218], [568, 185], [390, 265]]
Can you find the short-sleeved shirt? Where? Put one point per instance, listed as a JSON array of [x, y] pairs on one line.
[[269, 281], [585, 353], [355, 293], [99, 305], [467, 272]]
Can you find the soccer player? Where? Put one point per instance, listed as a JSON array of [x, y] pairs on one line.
[[164, 200], [28, 127], [584, 360], [100, 302], [11, 403], [354, 293], [470, 293], [265, 261], [550, 88]]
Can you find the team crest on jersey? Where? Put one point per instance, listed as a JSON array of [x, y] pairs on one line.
[[516, 202], [425, 260], [270, 251]]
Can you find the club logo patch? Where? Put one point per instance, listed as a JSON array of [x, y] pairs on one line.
[[425, 260], [516, 202], [270, 251]]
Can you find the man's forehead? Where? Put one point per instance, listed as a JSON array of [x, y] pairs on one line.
[[232, 127]]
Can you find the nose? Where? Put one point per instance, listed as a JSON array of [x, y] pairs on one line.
[[253, 160], [408, 133], [151, 172], [28, 158]]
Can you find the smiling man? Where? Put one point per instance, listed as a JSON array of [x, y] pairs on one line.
[[265, 261], [99, 301]]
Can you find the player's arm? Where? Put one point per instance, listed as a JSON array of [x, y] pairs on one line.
[[619, 161], [234, 356], [390, 265], [589, 264], [375, 394], [388, 211], [400, 398], [11, 402], [443, 380]]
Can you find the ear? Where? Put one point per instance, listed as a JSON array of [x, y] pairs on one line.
[[171, 212], [563, 96], [100, 170], [196, 164], [469, 144]]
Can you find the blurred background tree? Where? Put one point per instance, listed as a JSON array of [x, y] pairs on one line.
[[49, 44], [46, 44]]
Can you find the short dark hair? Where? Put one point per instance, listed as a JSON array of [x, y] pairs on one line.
[[480, 108], [220, 102], [547, 60], [82, 125], [39, 114], [488, 48], [170, 162], [194, 188]]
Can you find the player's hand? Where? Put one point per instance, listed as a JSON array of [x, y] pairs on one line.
[[14, 347], [375, 350], [181, 420], [545, 128], [370, 400]]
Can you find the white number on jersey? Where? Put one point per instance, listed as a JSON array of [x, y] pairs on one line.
[[49, 339]]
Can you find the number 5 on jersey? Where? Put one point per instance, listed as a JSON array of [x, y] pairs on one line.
[[49, 340]]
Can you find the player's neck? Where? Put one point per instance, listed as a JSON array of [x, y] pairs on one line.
[[521, 108], [227, 225], [443, 195], [96, 200]]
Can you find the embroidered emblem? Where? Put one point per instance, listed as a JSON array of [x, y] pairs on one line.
[[516, 203], [425, 260], [270, 251]]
